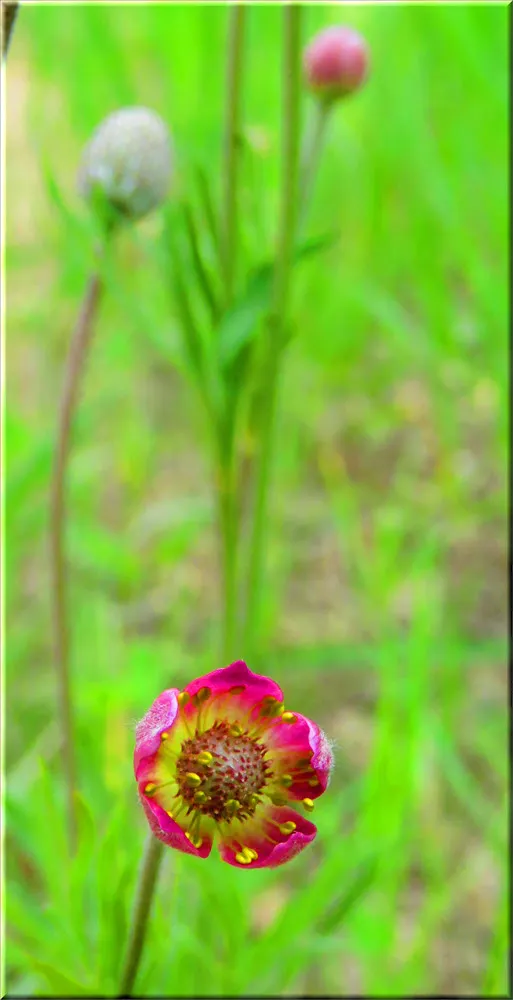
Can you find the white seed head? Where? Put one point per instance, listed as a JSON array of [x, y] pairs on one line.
[[128, 162]]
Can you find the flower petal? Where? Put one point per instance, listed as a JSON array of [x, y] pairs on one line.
[[233, 693], [258, 834], [169, 832], [296, 741], [160, 717]]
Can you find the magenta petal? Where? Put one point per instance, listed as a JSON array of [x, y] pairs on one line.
[[322, 759], [299, 739], [271, 855], [237, 674], [169, 832], [158, 718]]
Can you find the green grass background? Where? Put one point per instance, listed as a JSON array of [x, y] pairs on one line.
[[385, 597]]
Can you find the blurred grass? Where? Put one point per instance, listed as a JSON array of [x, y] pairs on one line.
[[385, 608]]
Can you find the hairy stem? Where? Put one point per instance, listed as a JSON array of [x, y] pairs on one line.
[[144, 897], [9, 14], [73, 375], [279, 311]]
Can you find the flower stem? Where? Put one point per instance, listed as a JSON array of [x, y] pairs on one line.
[[146, 886], [228, 526], [226, 481], [9, 14], [74, 371], [278, 314], [236, 25], [311, 152]]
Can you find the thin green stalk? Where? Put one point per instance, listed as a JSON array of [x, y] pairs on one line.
[[145, 890], [229, 220], [228, 523], [9, 15], [279, 310], [73, 375], [226, 481], [311, 152]]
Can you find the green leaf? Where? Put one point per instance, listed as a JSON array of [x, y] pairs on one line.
[[239, 324], [61, 983]]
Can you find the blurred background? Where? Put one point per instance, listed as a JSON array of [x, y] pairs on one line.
[[385, 610]]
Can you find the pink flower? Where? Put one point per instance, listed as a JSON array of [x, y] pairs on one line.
[[336, 62], [224, 757]]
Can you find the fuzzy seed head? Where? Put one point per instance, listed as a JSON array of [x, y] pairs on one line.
[[128, 162], [336, 62]]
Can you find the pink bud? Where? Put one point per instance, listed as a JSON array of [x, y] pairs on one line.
[[336, 62]]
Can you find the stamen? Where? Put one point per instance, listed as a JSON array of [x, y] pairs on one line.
[[286, 828], [152, 787], [271, 707], [192, 779], [200, 796], [164, 736], [313, 782], [286, 780], [246, 856], [174, 815], [238, 689], [202, 695], [194, 839], [308, 805], [232, 806], [277, 799], [236, 729], [183, 698], [205, 758], [289, 717]]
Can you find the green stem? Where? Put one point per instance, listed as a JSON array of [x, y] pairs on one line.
[[226, 482], [229, 233], [73, 375], [228, 526], [311, 152], [278, 313], [145, 890]]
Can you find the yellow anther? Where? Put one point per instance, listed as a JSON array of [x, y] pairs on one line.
[[205, 757], [286, 780], [303, 762], [254, 800], [308, 805], [313, 782], [236, 730], [232, 806], [289, 717], [246, 856], [200, 796], [150, 788], [195, 839], [164, 736], [183, 698], [278, 800], [271, 707], [202, 695], [238, 689], [192, 779], [287, 828]]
